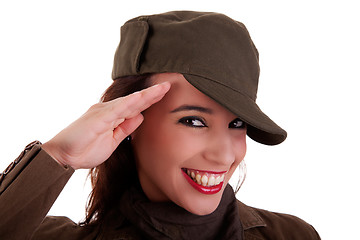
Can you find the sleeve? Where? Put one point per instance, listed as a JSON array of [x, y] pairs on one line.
[[28, 189], [55, 228], [285, 226]]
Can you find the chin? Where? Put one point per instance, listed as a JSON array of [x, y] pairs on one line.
[[202, 206]]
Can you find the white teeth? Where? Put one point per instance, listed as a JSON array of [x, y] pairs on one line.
[[211, 181], [198, 178], [205, 179], [217, 180]]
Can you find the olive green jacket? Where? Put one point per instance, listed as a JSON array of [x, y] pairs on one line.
[[31, 184]]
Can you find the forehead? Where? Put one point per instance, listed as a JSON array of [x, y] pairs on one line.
[[180, 88]]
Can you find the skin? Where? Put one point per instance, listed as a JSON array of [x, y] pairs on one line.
[[165, 143], [91, 139]]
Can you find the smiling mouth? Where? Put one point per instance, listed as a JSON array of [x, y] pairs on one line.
[[205, 179]]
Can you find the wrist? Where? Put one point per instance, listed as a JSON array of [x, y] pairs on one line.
[[53, 153]]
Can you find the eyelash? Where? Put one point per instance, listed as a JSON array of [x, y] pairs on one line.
[[189, 121], [242, 124]]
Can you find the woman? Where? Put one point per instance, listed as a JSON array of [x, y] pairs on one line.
[[161, 146]]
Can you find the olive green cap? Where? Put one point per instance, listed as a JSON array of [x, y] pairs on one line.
[[214, 53]]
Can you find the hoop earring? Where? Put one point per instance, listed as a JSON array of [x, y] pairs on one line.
[[242, 175]]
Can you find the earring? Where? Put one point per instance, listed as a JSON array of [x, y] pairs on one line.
[[128, 138]]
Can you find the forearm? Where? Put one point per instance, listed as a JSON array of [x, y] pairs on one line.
[[28, 191]]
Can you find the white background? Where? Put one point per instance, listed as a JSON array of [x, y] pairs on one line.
[[56, 60]]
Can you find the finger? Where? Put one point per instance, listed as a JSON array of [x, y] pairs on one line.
[[127, 127], [133, 104]]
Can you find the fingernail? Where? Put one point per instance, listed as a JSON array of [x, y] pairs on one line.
[[164, 83], [167, 84]]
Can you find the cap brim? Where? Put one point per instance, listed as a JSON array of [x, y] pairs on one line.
[[260, 127]]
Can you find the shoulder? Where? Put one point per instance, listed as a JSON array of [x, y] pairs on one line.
[[63, 228], [263, 224]]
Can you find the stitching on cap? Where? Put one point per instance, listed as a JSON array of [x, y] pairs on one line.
[[246, 95]]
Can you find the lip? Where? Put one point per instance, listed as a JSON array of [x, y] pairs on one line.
[[210, 172], [201, 188]]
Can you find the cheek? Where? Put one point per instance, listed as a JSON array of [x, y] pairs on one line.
[[158, 147], [239, 142], [241, 148], [166, 140], [240, 152]]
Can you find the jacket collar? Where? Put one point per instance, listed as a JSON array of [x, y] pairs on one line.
[[249, 217], [169, 221]]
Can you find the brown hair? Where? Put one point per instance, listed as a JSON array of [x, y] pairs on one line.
[[110, 179]]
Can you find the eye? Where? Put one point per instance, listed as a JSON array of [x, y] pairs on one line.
[[193, 121], [237, 123]]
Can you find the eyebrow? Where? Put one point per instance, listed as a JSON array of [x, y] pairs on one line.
[[192, 108]]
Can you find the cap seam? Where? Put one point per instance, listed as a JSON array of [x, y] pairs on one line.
[[246, 95], [251, 121]]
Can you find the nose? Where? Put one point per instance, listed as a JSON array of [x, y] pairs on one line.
[[220, 150]]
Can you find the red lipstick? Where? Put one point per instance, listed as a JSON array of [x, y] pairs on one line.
[[201, 188]]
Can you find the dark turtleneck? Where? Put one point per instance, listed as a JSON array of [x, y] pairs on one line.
[[166, 220]]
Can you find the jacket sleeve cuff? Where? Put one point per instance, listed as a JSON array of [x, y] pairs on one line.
[[28, 191]]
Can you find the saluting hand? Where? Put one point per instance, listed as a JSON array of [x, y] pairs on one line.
[[91, 139]]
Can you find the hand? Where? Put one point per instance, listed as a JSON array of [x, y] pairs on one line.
[[91, 139]]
